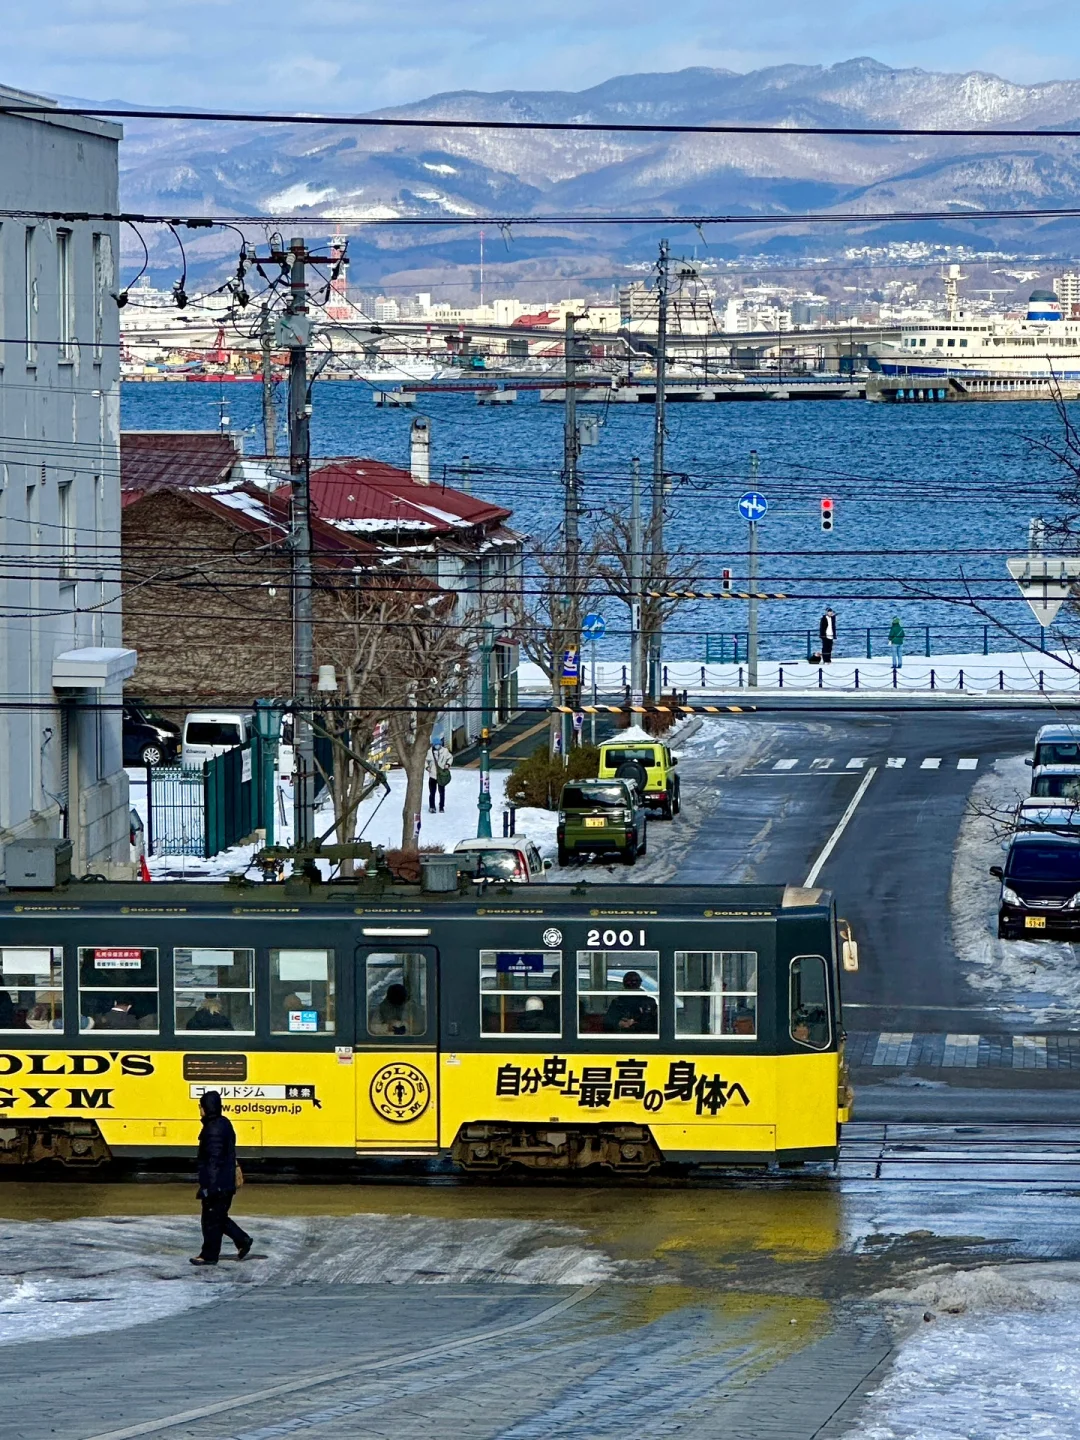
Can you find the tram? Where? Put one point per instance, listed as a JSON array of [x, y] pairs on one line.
[[554, 1027]]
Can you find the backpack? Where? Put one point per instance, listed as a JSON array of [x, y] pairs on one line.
[[442, 774]]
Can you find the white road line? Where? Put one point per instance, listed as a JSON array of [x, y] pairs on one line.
[[785, 764], [830, 844], [896, 762], [290, 1387], [967, 764], [932, 762], [857, 762], [822, 764]]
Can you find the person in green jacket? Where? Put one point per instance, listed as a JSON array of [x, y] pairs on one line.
[[896, 642]]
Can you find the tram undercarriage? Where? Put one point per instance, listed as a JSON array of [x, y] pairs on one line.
[[629, 1149]]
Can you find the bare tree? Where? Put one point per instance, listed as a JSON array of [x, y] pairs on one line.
[[549, 610]]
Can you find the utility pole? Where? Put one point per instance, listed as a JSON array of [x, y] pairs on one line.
[[571, 536], [269, 413], [636, 566], [752, 583], [300, 473], [656, 525]]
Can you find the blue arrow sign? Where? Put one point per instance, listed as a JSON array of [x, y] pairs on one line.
[[593, 627], [753, 506]]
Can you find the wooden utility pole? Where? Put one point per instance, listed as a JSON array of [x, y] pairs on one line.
[[656, 525], [269, 413]]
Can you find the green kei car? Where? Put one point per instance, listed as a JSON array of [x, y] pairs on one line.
[[600, 816]]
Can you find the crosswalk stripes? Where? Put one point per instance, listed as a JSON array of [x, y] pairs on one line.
[[822, 763], [968, 763], [896, 762], [857, 762], [932, 762], [785, 764], [936, 1051]]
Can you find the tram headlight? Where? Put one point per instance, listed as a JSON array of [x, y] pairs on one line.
[[1010, 897]]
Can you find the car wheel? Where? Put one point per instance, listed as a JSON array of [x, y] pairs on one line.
[[644, 842], [564, 855], [629, 856], [151, 754], [666, 809], [677, 804]]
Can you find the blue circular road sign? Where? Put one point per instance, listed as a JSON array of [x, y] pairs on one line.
[[753, 506], [593, 627]]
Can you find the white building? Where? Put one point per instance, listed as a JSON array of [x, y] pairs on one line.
[[62, 663], [1067, 289]]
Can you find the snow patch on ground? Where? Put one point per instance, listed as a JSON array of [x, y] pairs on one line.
[[1035, 982], [1004, 1365]]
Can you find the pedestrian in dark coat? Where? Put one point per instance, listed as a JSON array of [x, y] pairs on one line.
[[827, 632], [217, 1183]]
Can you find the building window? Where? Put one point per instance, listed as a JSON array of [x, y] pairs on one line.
[[103, 283], [716, 993], [31, 988], [65, 297], [521, 992], [396, 989], [66, 507], [30, 317], [618, 993], [118, 988], [301, 992], [810, 1023], [215, 990]]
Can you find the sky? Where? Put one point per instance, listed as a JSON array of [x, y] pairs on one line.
[[354, 55]]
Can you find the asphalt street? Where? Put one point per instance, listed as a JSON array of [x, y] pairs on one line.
[[890, 865]]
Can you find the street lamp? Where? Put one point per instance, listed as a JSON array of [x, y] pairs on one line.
[[268, 717]]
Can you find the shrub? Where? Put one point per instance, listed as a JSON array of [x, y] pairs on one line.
[[537, 780], [404, 865]]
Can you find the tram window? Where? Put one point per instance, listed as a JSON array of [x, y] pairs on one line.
[[31, 988], [301, 992], [214, 990], [521, 992], [810, 1024], [716, 992], [118, 988], [618, 992], [396, 988]]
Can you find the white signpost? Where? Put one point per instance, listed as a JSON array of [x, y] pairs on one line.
[[1046, 582]]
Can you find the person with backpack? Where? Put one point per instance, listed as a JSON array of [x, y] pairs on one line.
[[438, 763], [896, 642]]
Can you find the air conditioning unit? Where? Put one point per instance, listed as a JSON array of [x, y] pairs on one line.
[[37, 864]]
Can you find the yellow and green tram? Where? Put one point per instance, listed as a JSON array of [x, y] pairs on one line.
[[549, 1026]]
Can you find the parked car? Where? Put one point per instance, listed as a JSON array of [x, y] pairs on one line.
[[512, 857], [597, 817], [620, 757], [149, 739], [1057, 745], [211, 732], [1040, 886], [1036, 813], [1056, 782]]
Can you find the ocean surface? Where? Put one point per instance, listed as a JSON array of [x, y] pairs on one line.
[[929, 500]]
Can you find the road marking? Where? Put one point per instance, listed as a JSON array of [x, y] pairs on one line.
[[785, 764], [857, 762], [961, 1052], [893, 1047], [967, 764], [830, 844], [933, 762], [822, 764], [896, 762], [390, 1362]]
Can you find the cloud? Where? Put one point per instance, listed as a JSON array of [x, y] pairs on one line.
[[364, 53]]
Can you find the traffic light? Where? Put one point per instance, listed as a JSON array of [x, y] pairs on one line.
[[725, 581], [827, 515]]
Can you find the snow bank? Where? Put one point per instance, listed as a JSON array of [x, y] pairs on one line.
[[1004, 1366], [1035, 982]]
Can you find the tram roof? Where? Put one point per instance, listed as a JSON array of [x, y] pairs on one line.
[[163, 898]]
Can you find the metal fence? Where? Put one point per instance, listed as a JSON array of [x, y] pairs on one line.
[[872, 641], [175, 811]]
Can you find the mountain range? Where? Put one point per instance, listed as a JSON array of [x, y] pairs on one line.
[[194, 166]]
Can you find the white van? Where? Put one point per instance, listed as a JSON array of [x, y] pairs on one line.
[[211, 732], [505, 858]]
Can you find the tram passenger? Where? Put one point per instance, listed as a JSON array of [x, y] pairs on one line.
[[118, 1017], [217, 1183], [533, 1020], [396, 1014], [633, 1011], [7, 1011], [209, 1016]]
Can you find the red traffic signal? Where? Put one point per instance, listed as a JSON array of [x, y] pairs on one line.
[[725, 580], [827, 515]]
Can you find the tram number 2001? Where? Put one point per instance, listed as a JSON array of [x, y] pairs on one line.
[[613, 939]]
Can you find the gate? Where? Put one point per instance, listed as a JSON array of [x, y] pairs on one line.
[[175, 811]]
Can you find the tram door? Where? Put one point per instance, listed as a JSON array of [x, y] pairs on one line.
[[396, 1053]]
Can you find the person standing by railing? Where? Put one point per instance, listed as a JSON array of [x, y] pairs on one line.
[[827, 634], [896, 643]]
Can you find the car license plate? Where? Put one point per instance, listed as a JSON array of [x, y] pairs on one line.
[[1034, 922], [591, 824]]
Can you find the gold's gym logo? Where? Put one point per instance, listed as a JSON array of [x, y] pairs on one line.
[[400, 1092]]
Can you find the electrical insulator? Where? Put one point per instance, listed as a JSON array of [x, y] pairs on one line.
[[827, 515]]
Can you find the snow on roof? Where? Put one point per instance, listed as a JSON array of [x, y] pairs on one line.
[[378, 526], [248, 503], [633, 735]]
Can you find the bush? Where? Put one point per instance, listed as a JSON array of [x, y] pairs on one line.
[[404, 865], [537, 780]]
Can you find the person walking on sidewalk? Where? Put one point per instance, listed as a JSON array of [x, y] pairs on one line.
[[438, 764], [827, 632], [896, 642], [219, 1175]]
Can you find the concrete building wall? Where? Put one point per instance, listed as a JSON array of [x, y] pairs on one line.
[[59, 478]]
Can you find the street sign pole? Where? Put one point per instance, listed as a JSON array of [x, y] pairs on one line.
[[752, 507]]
